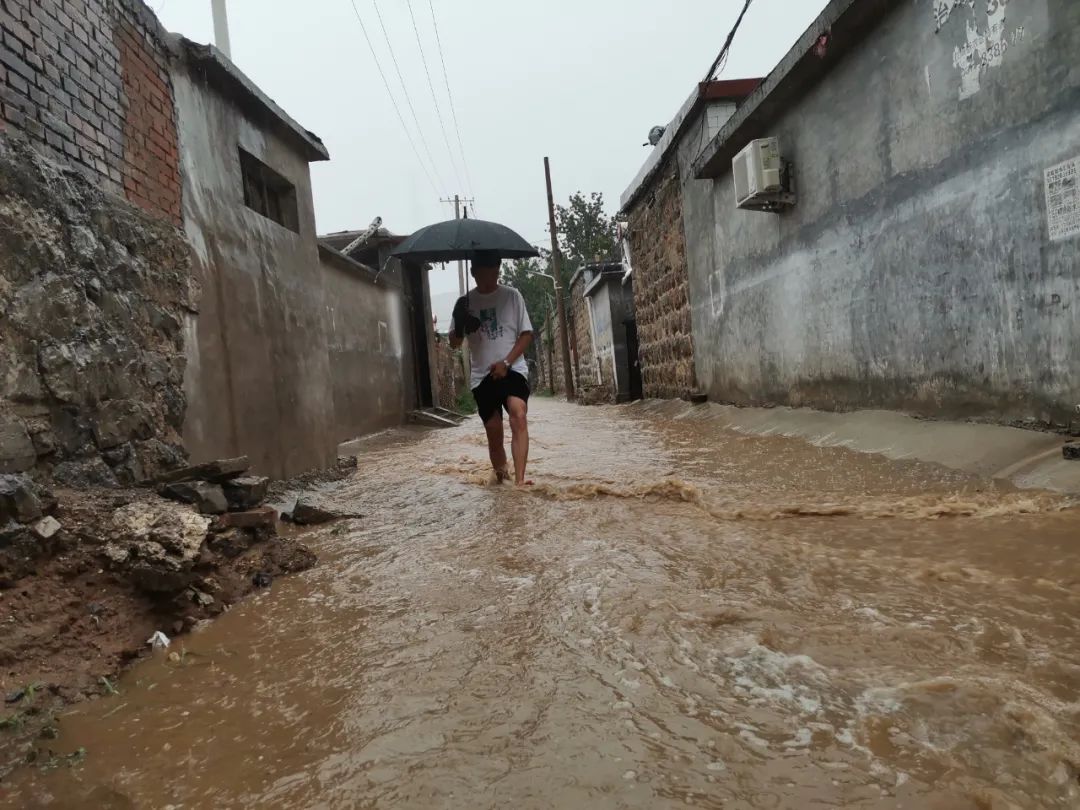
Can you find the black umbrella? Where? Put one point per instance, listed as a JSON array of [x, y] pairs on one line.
[[462, 239]]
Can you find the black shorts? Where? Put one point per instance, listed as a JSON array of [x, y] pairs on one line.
[[491, 394]]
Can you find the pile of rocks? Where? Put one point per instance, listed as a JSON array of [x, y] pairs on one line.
[[28, 528], [170, 543]]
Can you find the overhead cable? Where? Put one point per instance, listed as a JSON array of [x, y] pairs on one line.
[[393, 99], [721, 58], [405, 90], [450, 95], [434, 95]]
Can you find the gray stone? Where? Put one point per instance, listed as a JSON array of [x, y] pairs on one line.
[[117, 455], [1071, 451], [305, 513], [46, 528], [17, 452], [89, 472], [208, 498], [94, 290], [72, 432], [120, 421], [156, 458], [247, 492], [215, 471], [18, 499], [84, 244], [42, 436], [264, 517]]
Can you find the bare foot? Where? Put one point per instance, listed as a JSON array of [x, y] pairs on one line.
[[502, 475], [522, 483]]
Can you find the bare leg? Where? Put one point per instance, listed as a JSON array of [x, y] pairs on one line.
[[519, 436], [496, 448]]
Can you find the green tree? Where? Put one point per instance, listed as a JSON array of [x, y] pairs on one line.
[[537, 290], [586, 233]]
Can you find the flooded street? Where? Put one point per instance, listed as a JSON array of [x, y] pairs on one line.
[[675, 615]]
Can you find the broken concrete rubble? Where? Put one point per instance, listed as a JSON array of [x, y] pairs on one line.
[[306, 513], [246, 493], [218, 471], [157, 543], [46, 528], [264, 517], [209, 499]]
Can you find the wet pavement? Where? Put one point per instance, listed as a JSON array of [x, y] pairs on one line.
[[675, 615]]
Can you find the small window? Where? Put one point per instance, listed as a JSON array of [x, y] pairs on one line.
[[268, 193]]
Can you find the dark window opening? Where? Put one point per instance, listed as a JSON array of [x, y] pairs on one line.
[[268, 193]]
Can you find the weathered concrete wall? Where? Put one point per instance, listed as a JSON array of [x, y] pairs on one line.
[[612, 304], [259, 380], [662, 289], [92, 297], [370, 359], [916, 271], [87, 82]]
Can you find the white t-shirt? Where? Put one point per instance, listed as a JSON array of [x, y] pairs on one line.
[[503, 318]]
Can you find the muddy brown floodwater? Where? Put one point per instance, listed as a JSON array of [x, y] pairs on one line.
[[675, 615]]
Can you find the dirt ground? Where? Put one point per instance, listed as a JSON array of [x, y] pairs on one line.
[[70, 627]]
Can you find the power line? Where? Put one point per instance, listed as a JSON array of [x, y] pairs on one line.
[[389, 92], [434, 96], [721, 58], [405, 90], [450, 95]]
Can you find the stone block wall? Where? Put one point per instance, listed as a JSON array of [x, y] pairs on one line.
[[93, 290], [661, 290], [87, 82], [450, 370], [581, 347], [92, 297]]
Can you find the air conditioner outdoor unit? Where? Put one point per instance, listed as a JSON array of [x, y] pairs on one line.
[[762, 177]]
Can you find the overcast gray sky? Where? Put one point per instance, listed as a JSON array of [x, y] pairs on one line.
[[580, 81]]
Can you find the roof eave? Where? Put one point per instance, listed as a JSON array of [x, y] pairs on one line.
[[844, 23], [228, 78]]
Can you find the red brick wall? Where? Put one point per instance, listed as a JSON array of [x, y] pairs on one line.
[[87, 82], [151, 160]]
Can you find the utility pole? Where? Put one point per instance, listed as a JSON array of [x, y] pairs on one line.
[[221, 27], [457, 201], [568, 373]]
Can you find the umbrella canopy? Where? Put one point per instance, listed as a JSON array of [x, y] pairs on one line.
[[462, 239]]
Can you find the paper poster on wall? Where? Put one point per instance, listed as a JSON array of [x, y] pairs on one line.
[[1063, 200]]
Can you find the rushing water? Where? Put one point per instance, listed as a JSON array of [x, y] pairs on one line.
[[674, 615]]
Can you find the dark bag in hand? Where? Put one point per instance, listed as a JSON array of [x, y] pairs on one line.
[[465, 323]]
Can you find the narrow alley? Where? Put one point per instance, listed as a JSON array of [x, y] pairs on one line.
[[675, 615]]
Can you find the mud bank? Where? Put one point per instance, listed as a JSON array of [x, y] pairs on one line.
[[1029, 459], [124, 565]]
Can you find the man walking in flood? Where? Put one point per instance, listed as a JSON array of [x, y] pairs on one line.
[[494, 320]]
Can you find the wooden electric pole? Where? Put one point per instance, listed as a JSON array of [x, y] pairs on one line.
[[568, 373], [457, 201], [460, 264]]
